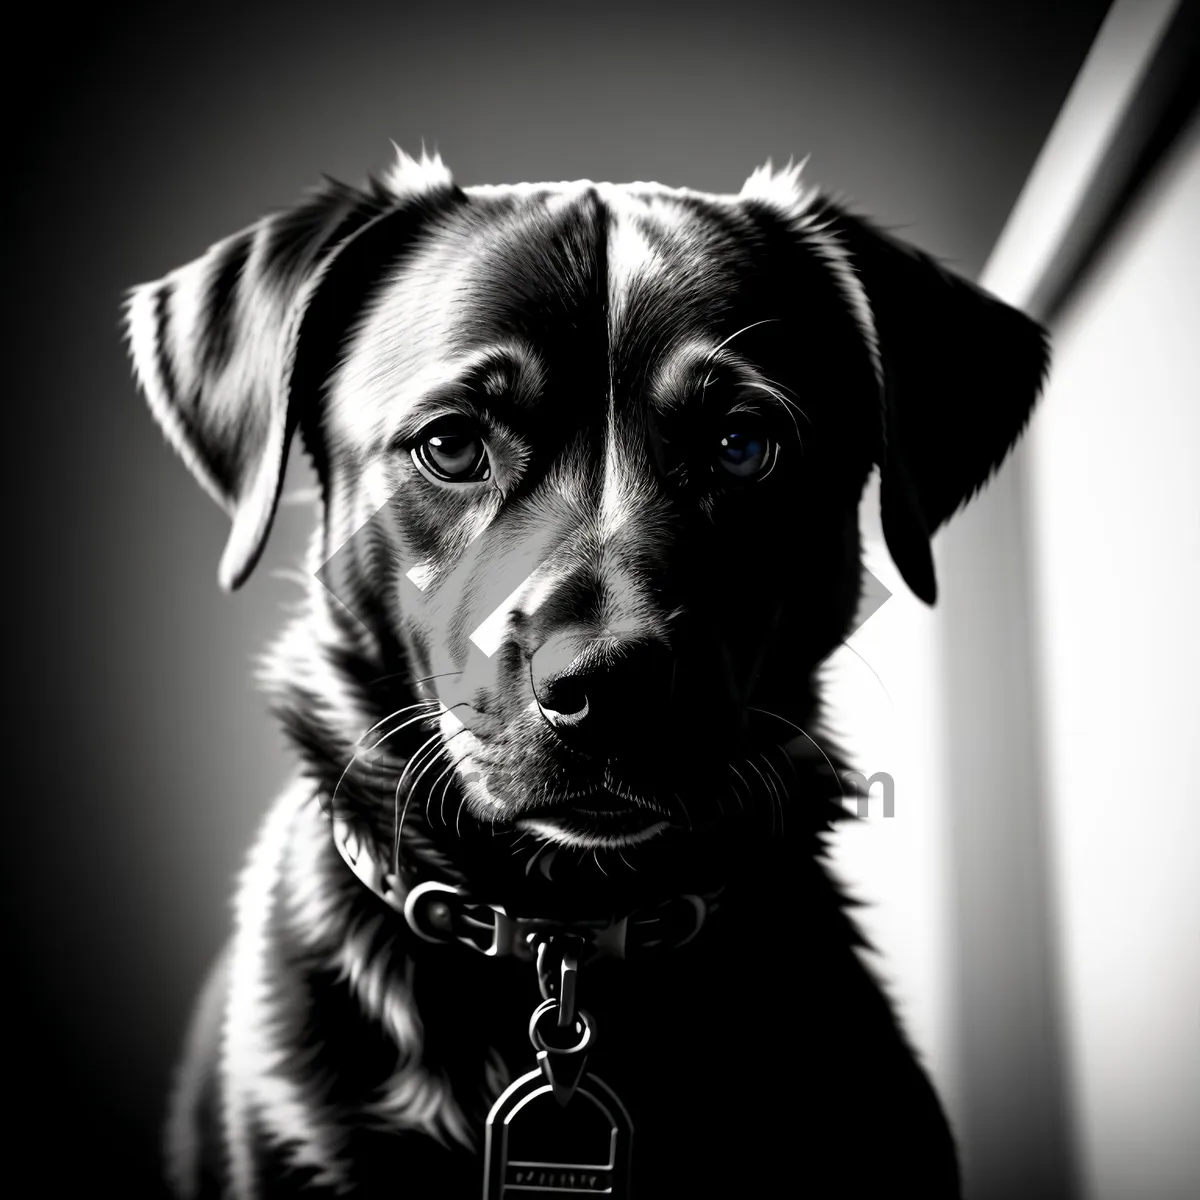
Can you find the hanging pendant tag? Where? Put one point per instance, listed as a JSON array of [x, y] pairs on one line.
[[537, 1148], [558, 1131]]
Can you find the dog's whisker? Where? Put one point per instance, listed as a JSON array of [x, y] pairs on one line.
[[787, 759], [766, 790], [398, 817], [432, 707], [444, 778], [404, 725], [416, 756], [756, 805], [596, 859], [780, 790], [872, 670], [445, 775], [683, 809], [408, 796], [775, 794], [391, 733], [428, 704], [716, 358], [428, 810], [741, 802], [744, 329], [433, 757], [439, 675], [785, 394], [442, 748], [787, 406], [534, 856], [799, 729], [779, 800], [403, 674]]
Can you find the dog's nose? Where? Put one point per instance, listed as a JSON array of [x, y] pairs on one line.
[[601, 694], [564, 701]]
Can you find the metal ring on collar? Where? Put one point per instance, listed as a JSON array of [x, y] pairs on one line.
[[583, 1019]]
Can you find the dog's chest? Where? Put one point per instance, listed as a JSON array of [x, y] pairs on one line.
[[681, 1040], [733, 1054]]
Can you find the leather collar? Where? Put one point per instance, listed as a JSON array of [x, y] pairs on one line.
[[444, 913]]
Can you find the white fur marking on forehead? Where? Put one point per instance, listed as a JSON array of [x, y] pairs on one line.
[[630, 257], [409, 176], [560, 201], [618, 498], [551, 578]]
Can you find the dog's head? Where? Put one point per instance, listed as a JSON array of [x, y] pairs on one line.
[[591, 458]]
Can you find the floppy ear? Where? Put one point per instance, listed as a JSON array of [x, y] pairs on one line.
[[215, 343], [961, 372]]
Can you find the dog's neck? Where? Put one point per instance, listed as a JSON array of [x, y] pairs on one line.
[[349, 707]]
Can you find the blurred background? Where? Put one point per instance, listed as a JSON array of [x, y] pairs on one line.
[[1034, 899]]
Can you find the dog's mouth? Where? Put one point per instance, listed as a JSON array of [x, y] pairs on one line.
[[605, 815]]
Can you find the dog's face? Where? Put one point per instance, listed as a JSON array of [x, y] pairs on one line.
[[592, 456], [618, 432]]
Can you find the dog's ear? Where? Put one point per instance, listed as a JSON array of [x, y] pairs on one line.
[[961, 372], [215, 343]]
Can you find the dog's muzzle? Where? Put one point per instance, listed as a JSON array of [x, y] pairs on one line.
[[593, 692]]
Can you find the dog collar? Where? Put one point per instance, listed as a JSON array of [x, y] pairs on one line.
[[445, 913]]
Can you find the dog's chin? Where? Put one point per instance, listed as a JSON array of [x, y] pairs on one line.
[[594, 820], [591, 831]]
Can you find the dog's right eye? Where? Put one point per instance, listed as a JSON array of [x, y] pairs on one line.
[[453, 452]]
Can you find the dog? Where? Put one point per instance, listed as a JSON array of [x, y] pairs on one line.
[[590, 460]]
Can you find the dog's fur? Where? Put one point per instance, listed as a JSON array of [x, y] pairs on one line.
[[602, 340]]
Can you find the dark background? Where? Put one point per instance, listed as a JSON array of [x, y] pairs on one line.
[[143, 758]]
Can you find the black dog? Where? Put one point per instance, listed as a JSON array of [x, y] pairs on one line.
[[590, 459]]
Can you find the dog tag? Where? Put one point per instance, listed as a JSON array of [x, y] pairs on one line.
[[558, 1131], [536, 1147]]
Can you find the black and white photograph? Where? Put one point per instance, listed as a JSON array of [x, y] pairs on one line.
[[603, 600]]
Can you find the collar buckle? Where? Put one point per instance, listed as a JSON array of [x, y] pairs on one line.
[[442, 912]]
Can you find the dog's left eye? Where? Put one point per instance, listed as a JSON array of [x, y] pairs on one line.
[[453, 452], [745, 453]]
